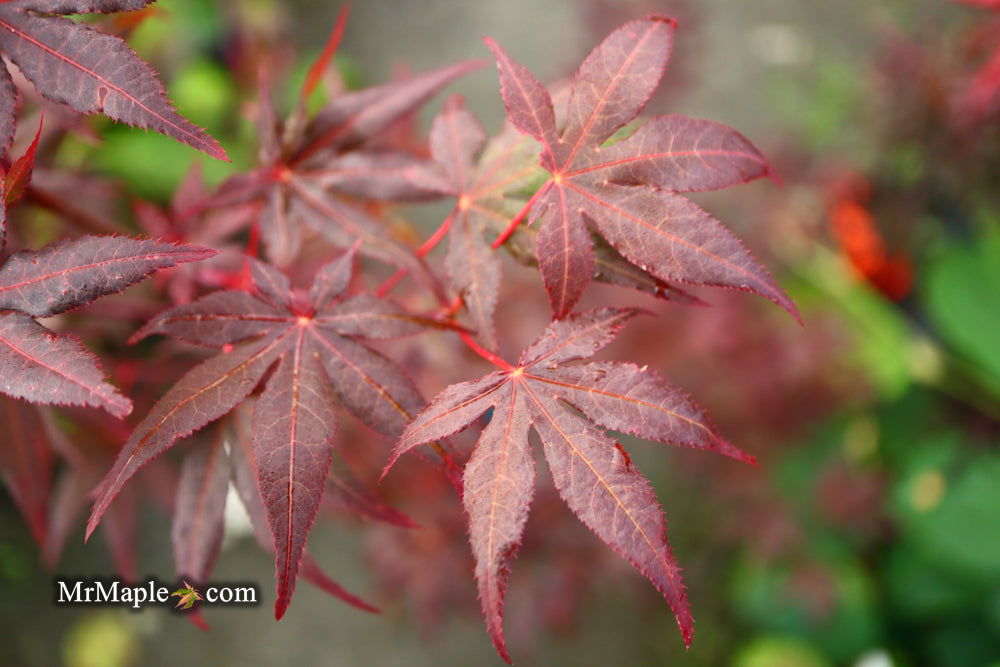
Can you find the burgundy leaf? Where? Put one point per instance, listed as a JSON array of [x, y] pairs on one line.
[[318, 354], [529, 107], [344, 225], [90, 71], [321, 580], [499, 481], [565, 257], [204, 394], [305, 169], [269, 126], [629, 399], [84, 6], [609, 265], [293, 427], [624, 189], [371, 387], [579, 338], [26, 464], [67, 274], [244, 479], [281, 235], [474, 272], [675, 240], [3, 219], [353, 117], [592, 472], [345, 491], [456, 138], [332, 280], [682, 154], [69, 500], [451, 411], [42, 367], [616, 80], [216, 320], [370, 317], [200, 505], [271, 283], [380, 175], [612, 498]]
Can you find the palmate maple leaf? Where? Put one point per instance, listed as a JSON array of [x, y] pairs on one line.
[[627, 190], [592, 473], [314, 345], [308, 166], [484, 194], [86, 70]]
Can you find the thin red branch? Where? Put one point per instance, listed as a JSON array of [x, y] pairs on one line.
[[505, 234], [483, 352], [422, 251]]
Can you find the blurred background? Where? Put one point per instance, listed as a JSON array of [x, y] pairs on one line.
[[869, 535]]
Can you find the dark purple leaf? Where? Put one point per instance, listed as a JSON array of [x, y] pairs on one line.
[[90, 71], [320, 360], [200, 506], [623, 188], [593, 474], [293, 427], [244, 479], [26, 464], [67, 274], [42, 367]]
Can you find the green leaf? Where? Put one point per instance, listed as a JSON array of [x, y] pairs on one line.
[[960, 298]]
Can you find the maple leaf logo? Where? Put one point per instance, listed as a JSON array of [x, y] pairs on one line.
[[188, 596]]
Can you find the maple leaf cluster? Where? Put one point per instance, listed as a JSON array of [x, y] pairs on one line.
[[574, 184]]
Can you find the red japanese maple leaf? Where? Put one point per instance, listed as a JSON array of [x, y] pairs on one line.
[[198, 524], [86, 70], [628, 190], [592, 473], [42, 367], [308, 165], [484, 193], [314, 345]]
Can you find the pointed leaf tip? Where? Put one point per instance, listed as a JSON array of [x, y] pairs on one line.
[[198, 619], [329, 50]]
